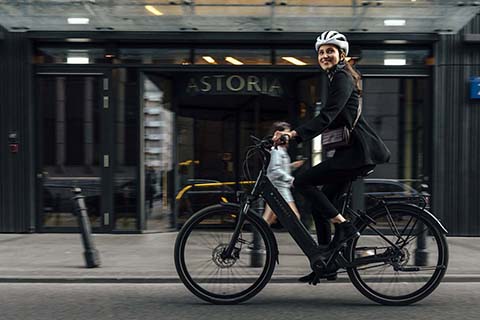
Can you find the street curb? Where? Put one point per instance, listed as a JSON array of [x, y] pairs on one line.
[[176, 280]]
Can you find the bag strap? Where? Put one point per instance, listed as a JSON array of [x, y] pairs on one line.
[[359, 112]]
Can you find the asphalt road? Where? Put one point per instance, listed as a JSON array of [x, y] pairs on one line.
[[172, 301]]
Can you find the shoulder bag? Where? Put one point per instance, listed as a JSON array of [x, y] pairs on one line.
[[339, 137]]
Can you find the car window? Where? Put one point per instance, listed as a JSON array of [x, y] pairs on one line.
[[396, 188], [382, 187], [377, 187], [370, 187]]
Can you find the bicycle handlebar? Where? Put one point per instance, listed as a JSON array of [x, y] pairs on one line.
[[267, 143], [264, 146]]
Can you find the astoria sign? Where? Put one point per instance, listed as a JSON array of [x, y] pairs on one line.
[[234, 84]]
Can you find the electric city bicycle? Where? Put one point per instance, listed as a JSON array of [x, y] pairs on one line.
[[226, 253]]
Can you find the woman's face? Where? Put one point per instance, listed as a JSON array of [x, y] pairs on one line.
[[328, 56]]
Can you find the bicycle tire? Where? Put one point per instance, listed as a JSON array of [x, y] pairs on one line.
[[364, 246], [188, 245]]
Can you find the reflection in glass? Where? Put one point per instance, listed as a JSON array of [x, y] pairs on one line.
[[395, 108], [70, 119], [213, 133], [158, 123]]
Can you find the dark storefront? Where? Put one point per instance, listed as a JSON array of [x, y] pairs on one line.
[[153, 131]]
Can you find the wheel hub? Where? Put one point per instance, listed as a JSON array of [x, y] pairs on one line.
[[224, 262], [400, 258]]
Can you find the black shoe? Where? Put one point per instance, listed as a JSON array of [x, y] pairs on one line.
[[344, 232], [308, 278], [313, 278]]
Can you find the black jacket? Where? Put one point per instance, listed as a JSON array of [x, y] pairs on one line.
[[341, 109]]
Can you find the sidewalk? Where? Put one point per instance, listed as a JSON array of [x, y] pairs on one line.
[[149, 258]]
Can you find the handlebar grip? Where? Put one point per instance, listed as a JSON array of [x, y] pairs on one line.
[[284, 138]]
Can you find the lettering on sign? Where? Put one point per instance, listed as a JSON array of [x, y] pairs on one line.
[[232, 84]]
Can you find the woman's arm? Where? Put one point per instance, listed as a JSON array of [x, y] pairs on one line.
[[339, 92]]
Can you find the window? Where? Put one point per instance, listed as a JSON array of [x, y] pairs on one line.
[[236, 57], [70, 55], [154, 55], [296, 57], [392, 57]]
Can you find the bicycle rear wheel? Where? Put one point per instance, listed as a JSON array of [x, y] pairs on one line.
[[398, 275], [198, 255]]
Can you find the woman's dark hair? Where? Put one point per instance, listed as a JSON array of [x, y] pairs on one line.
[[280, 126], [357, 78]]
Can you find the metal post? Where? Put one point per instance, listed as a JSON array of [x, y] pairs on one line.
[[256, 250], [421, 253], [92, 257]]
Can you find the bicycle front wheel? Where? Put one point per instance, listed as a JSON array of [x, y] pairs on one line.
[[405, 262], [224, 280]]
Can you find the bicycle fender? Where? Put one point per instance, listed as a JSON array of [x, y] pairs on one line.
[[258, 218], [425, 212]]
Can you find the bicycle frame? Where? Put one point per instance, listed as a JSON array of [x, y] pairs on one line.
[[355, 256], [297, 230], [264, 188]]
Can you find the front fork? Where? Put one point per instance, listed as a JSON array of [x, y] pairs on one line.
[[227, 253], [244, 207]]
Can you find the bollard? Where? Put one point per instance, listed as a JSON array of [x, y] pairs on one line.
[[421, 253], [256, 258], [92, 257]]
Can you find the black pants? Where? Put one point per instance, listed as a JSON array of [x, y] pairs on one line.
[[325, 202]]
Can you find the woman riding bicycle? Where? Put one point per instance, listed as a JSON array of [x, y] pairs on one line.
[[364, 151]]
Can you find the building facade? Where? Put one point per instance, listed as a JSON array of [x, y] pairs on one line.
[[154, 126]]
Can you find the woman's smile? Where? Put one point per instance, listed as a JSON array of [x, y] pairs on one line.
[[328, 56], [325, 61]]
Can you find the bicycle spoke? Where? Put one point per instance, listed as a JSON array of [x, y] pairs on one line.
[[393, 227], [401, 279], [214, 276], [371, 267], [416, 235], [202, 266], [405, 228]]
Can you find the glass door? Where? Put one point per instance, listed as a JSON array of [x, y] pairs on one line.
[[157, 182], [213, 134], [70, 148]]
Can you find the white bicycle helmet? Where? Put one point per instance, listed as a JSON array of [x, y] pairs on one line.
[[332, 37]]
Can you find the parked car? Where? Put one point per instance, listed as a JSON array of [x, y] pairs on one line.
[[390, 190]]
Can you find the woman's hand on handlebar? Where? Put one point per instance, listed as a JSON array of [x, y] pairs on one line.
[[282, 137]]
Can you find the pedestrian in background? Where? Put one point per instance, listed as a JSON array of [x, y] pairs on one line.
[[279, 172]]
